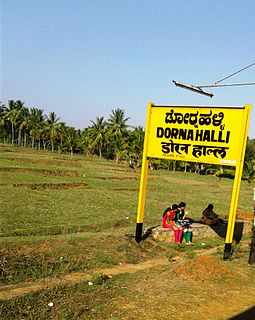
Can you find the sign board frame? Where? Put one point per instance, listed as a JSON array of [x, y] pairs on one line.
[[214, 135]]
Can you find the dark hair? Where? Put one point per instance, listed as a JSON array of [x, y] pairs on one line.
[[210, 206], [182, 205], [173, 207]]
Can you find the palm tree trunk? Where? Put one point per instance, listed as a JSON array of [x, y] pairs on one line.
[[25, 138], [19, 137], [174, 166], [12, 133]]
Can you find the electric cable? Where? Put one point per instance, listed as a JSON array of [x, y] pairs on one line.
[[231, 75]]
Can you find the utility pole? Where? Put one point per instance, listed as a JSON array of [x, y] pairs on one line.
[[252, 250]]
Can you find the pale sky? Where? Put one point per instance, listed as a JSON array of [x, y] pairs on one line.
[[81, 59]]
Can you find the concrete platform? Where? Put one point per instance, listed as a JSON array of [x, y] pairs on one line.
[[204, 231]]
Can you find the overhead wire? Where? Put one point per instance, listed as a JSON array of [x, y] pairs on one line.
[[231, 75], [198, 89]]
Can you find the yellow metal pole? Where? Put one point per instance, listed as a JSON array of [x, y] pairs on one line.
[[252, 249], [143, 179], [236, 186]]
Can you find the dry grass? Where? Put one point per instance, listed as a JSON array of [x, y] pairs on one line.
[[58, 234]]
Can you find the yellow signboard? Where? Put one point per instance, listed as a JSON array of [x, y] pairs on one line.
[[215, 135], [198, 134]]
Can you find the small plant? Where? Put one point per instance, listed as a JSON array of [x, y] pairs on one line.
[[190, 255], [170, 256], [229, 255], [99, 278]]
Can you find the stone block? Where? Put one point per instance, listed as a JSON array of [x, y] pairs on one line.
[[163, 234], [204, 231]]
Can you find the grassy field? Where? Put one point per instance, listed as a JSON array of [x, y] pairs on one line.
[[64, 216]]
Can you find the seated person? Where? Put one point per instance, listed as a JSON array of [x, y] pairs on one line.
[[181, 215], [182, 219], [168, 221], [209, 217]]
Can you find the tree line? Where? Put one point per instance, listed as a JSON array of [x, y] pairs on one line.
[[30, 127], [111, 139]]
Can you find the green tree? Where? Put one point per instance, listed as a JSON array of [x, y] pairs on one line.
[[120, 149], [72, 139], [136, 141], [117, 131], [250, 150], [249, 161], [3, 131], [97, 135], [3, 111], [117, 123], [23, 125], [62, 132], [52, 127], [35, 124], [13, 114], [85, 141]]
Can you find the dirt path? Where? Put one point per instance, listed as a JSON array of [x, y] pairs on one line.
[[13, 291]]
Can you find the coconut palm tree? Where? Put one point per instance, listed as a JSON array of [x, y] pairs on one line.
[[3, 111], [62, 132], [52, 126], [3, 128], [72, 139], [85, 141], [249, 171], [35, 123], [23, 125], [13, 114], [117, 130], [97, 135], [136, 143], [121, 149], [117, 123]]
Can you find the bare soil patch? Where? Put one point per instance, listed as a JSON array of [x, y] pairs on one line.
[[71, 173], [63, 162], [127, 170], [126, 190], [117, 178], [177, 181], [46, 186], [248, 216], [204, 268]]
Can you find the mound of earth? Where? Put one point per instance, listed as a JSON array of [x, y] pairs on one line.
[[205, 268]]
